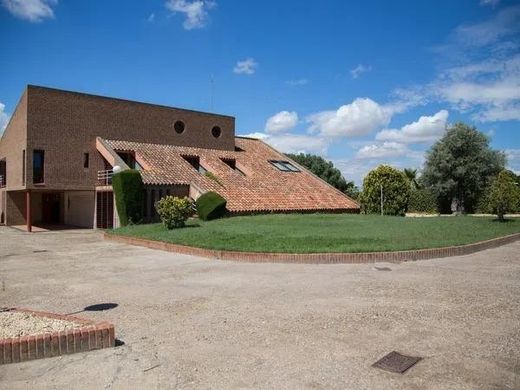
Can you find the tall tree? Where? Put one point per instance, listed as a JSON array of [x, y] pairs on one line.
[[327, 171], [459, 167]]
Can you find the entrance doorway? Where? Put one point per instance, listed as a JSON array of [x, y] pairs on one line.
[[51, 208]]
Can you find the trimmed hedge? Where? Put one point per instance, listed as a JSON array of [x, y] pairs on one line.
[[211, 206], [128, 190], [422, 201]]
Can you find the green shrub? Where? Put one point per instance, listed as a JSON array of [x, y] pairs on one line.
[[128, 190], [211, 206], [504, 195], [422, 201], [396, 191], [212, 176], [174, 211]]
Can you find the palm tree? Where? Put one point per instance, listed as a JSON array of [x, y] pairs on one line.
[[411, 175]]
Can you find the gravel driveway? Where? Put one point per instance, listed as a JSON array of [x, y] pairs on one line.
[[189, 322]]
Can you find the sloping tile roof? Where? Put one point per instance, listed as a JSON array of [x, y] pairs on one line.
[[263, 188]]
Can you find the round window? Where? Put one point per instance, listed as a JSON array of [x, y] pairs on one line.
[[179, 127], [216, 131]]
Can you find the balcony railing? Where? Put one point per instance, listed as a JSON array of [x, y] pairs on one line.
[[2, 181], [105, 177]]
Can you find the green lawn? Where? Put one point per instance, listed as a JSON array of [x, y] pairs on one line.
[[311, 233]]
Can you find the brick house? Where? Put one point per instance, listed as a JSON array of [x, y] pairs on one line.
[[59, 149]]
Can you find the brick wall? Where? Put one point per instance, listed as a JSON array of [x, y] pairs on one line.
[[65, 125], [12, 144], [15, 208]]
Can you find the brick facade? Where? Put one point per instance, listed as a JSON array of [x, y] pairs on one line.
[[68, 126]]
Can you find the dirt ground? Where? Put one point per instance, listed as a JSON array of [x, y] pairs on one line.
[[193, 323]]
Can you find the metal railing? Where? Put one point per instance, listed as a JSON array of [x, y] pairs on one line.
[[105, 177], [2, 181]]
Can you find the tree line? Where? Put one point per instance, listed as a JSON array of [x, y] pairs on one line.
[[461, 174]]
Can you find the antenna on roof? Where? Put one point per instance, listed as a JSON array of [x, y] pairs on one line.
[[212, 85]]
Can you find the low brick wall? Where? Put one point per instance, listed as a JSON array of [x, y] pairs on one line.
[[319, 258], [91, 336]]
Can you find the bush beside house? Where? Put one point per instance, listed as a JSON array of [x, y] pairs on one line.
[[128, 190], [174, 211], [211, 206]]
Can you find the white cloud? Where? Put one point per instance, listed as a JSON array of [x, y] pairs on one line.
[[151, 18], [247, 66], [503, 24], [293, 143], [492, 3], [360, 117], [485, 82], [298, 82], [513, 160], [281, 122], [360, 69], [31, 10], [382, 150], [196, 11], [425, 129], [4, 118]]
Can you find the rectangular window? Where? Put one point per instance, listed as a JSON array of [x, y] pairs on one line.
[[194, 161], [38, 166], [128, 158], [284, 166], [232, 163], [3, 173], [86, 159], [23, 167]]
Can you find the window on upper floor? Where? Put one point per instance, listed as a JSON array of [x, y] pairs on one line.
[[232, 163], [86, 160], [284, 166], [194, 161], [38, 166]]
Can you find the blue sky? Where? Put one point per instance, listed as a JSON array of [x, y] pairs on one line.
[[361, 83]]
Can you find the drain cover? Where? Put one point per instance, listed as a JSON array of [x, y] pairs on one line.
[[40, 251], [395, 362], [382, 268]]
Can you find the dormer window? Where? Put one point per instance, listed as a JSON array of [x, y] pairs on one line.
[[232, 163], [194, 161]]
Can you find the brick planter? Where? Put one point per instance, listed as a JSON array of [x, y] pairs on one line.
[[319, 258], [90, 336]]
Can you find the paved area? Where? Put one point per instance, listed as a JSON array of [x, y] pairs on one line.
[[194, 323]]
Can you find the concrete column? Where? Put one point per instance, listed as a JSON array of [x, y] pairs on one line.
[[28, 215]]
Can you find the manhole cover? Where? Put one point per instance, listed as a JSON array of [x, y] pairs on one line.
[[395, 362]]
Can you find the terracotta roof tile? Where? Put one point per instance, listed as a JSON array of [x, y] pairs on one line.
[[263, 188]]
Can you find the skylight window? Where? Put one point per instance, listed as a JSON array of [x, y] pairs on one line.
[[284, 166]]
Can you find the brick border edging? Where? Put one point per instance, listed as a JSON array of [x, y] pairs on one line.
[[319, 258], [89, 337]]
